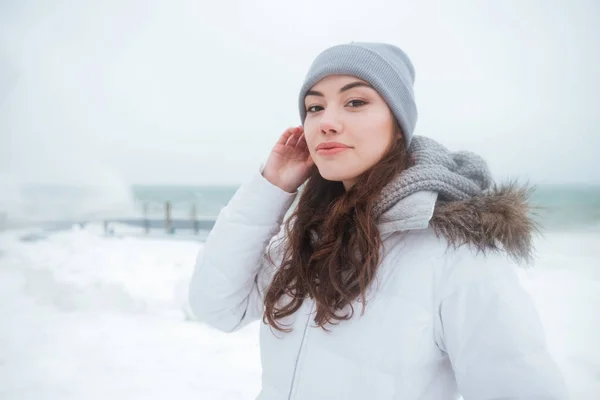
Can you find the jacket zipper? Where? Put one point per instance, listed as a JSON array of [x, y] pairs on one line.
[[304, 334]]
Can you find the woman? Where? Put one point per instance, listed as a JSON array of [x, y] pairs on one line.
[[394, 275]]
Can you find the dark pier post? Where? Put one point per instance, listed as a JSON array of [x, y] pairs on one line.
[[196, 225], [168, 221], [146, 221]]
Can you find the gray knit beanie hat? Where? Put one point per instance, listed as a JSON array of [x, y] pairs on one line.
[[384, 66]]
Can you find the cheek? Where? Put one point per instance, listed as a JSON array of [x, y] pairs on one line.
[[310, 135], [376, 139]]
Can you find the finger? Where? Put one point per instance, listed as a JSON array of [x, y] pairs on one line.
[[293, 140], [283, 139], [302, 143], [285, 136]]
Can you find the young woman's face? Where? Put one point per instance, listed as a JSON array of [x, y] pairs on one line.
[[348, 127]]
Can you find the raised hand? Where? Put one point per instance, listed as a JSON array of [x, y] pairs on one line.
[[289, 163]]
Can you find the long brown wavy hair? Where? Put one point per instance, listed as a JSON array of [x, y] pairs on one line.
[[332, 244]]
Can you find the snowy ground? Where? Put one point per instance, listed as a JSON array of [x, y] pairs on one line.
[[85, 316]]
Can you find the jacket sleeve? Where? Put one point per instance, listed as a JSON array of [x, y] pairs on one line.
[[493, 335], [225, 288]]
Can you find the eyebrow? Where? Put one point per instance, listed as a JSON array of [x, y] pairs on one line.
[[347, 87]]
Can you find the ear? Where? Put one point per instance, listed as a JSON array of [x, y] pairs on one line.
[[398, 131]]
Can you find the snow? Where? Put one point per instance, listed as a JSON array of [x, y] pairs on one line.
[[85, 316], [566, 288], [89, 317]]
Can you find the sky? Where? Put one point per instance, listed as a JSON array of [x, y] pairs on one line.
[[193, 92]]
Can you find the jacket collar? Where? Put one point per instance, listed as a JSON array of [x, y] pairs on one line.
[[412, 212]]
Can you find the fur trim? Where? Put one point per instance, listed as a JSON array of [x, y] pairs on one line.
[[496, 220]]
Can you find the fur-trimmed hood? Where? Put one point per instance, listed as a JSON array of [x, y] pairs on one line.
[[455, 195], [496, 220]]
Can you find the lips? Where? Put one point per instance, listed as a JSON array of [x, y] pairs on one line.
[[331, 145], [327, 149]]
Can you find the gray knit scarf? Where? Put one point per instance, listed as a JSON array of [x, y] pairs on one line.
[[453, 175]]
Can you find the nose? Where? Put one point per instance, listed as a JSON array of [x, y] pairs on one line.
[[330, 123]]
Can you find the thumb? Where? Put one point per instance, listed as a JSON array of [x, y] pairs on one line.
[[309, 161]]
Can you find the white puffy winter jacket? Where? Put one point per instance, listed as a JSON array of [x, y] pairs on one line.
[[440, 321]]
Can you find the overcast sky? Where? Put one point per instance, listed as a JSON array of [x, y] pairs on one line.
[[188, 91]]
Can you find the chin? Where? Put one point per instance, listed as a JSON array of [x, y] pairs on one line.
[[331, 173]]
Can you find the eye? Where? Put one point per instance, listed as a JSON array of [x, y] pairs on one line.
[[312, 109], [356, 103]]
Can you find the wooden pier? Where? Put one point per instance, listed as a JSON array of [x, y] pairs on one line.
[[168, 224]]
